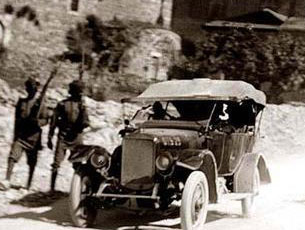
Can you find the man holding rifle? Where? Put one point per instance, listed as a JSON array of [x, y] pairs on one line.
[[71, 118], [27, 132]]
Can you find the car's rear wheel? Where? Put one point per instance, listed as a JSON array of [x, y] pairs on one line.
[[82, 212], [194, 202], [248, 202]]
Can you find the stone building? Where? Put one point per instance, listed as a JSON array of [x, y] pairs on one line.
[[189, 15]]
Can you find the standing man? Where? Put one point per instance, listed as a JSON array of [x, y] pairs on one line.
[[27, 132], [71, 118]]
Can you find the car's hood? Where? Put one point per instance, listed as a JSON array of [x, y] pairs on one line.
[[170, 137], [161, 132], [174, 124]]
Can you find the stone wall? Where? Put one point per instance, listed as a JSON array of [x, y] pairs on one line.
[[31, 48]]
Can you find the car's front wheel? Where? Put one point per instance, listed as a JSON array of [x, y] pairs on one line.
[[82, 212], [194, 202]]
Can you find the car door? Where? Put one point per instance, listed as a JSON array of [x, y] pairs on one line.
[[229, 149]]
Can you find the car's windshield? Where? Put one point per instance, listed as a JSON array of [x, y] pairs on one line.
[[238, 114], [177, 110], [157, 111], [194, 110]]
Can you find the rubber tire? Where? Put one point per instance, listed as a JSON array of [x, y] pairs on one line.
[[78, 219], [248, 202], [194, 179]]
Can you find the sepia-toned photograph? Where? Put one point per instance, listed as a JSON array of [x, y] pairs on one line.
[[152, 114]]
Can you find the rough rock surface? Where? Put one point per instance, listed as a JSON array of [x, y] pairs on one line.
[[8, 96], [282, 130], [152, 56]]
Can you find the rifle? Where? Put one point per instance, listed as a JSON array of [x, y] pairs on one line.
[[82, 65], [36, 109]]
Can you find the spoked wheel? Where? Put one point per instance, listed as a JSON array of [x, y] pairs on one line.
[[248, 202], [194, 202], [82, 212]]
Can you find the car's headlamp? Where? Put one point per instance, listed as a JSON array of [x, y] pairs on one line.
[[164, 161], [99, 160]]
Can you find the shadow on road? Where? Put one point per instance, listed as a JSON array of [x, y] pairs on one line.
[[42, 208], [216, 215], [302, 201], [40, 199], [57, 213]]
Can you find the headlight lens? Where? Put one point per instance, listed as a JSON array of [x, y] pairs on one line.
[[164, 161], [99, 160]]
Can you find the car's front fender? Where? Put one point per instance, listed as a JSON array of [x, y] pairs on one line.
[[82, 153], [191, 158], [202, 160]]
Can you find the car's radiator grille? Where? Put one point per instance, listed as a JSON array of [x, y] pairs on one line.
[[138, 163]]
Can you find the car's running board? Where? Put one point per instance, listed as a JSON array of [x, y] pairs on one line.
[[236, 196]]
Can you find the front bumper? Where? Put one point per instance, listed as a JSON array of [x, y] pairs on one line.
[[101, 193]]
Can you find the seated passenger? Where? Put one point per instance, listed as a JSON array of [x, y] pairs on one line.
[[242, 115], [221, 118], [158, 112]]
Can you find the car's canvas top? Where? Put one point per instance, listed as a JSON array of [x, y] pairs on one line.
[[201, 89]]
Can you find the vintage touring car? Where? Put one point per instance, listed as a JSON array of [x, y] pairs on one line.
[[189, 136]]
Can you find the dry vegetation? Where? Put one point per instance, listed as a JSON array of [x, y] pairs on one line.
[[255, 57]]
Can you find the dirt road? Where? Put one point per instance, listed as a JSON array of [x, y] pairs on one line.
[[279, 206]]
